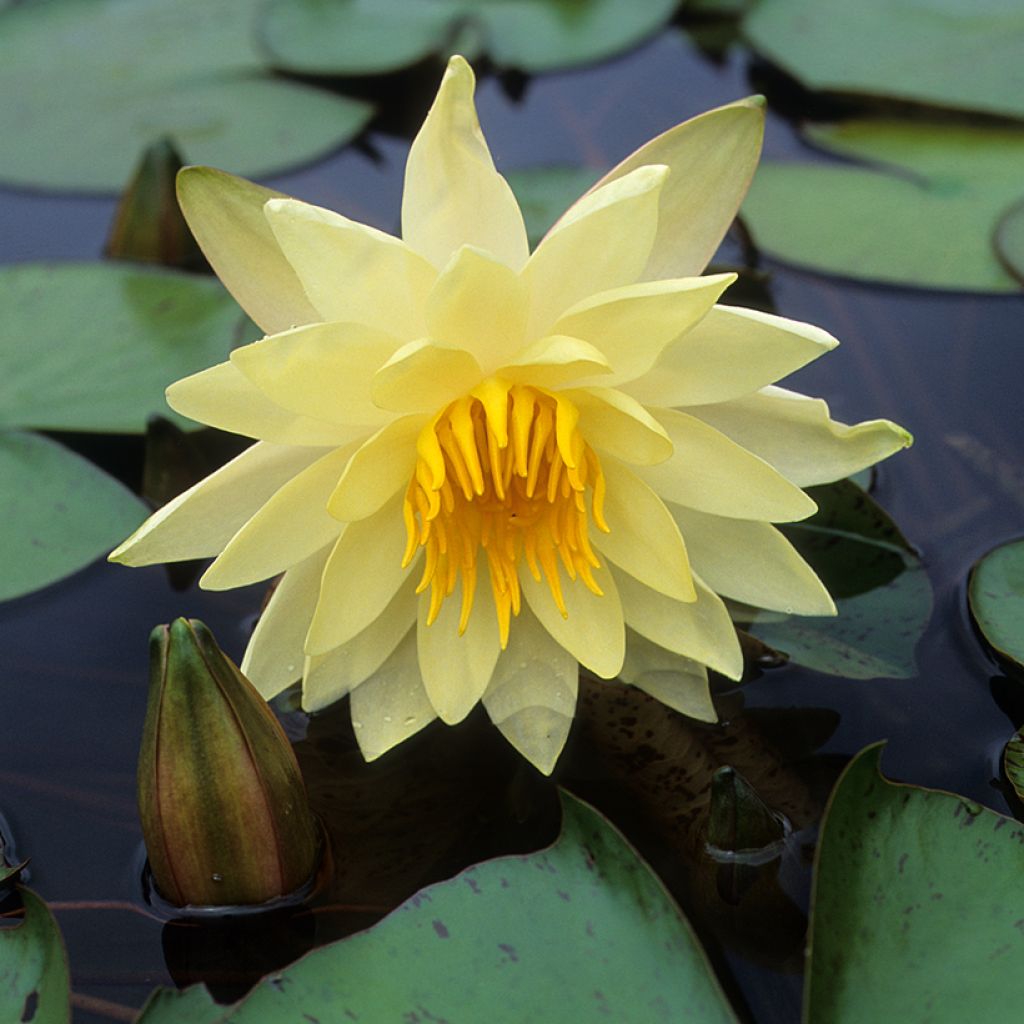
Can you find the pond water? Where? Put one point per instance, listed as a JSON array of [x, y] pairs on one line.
[[73, 657]]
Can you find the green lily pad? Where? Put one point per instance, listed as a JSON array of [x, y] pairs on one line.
[[58, 512], [113, 84], [939, 52], [995, 593], [545, 193], [1009, 240], [923, 213], [580, 930], [880, 588], [359, 37], [916, 912], [34, 982], [92, 346]]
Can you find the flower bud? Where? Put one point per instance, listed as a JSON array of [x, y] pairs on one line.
[[223, 806], [148, 225]]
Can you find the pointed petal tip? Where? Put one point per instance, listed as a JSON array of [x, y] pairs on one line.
[[458, 65], [755, 102]]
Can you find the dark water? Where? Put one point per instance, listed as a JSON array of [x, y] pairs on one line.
[[73, 658]]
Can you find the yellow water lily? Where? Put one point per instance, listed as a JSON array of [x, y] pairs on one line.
[[479, 467]]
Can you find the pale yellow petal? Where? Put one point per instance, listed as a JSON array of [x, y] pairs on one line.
[[711, 473], [593, 632], [604, 244], [352, 272], [323, 370], [224, 397], [712, 158], [480, 305], [424, 377], [275, 656], [456, 669], [362, 575], [678, 682], [532, 694], [643, 539], [378, 469], [225, 214], [799, 438], [292, 525], [701, 629], [555, 360], [731, 352], [632, 325], [751, 562], [329, 677], [614, 422], [199, 522], [392, 704], [453, 195]]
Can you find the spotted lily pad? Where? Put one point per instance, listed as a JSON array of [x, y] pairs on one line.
[[940, 52], [120, 74], [1013, 763], [359, 37], [58, 512], [582, 929], [34, 984], [920, 209], [916, 912], [996, 596], [880, 588], [92, 346]]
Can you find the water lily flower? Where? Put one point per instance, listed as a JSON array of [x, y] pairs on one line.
[[479, 467]]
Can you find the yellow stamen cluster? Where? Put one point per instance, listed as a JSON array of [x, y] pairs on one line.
[[504, 469]]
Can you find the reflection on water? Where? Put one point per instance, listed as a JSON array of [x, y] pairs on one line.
[[74, 666]]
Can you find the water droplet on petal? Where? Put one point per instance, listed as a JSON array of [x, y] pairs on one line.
[[217, 877]]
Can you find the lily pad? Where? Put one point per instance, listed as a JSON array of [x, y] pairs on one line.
[[91, 346], [880, 588], [916, 913], [582, 929], [996, 597], [34, 982], [113, 84], [939, 52], [921, 210], [58, 512], [359, 37]]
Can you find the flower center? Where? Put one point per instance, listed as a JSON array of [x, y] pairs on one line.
[[504, 470]]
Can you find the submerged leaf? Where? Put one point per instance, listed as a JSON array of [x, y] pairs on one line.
[[916, 913], [995, 593], [84, 319], [58, 512], [545, 193], [921, 213], [508, 940], [947, 54], [880, 588], [1009, 240]]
